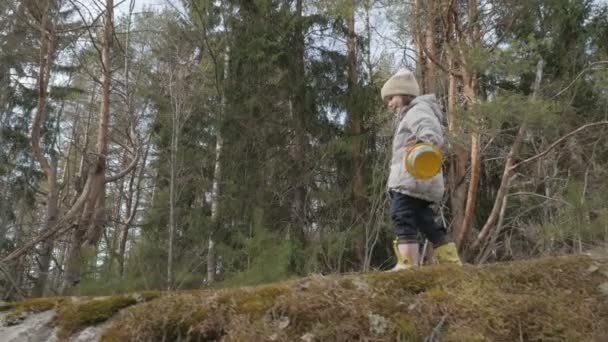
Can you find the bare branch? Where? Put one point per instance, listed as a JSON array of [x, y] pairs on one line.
[[590, 67], [558, 141], [126, 171]]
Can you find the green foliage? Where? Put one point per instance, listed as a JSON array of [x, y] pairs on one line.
[[512, 110], [267, 255], [580, 222]]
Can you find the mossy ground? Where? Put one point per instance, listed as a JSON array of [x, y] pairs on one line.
[[74, 314], [20, 310], [549, 299]]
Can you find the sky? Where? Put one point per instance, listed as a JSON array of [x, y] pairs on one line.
[[123, 7]]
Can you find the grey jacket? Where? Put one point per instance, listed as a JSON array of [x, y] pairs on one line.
[[418, 122]]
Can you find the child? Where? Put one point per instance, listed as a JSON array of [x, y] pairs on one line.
[[419, 120]]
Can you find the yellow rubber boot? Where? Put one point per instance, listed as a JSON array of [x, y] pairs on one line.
[[447, 254], [403, 263]]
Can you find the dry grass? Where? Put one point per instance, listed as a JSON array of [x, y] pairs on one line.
[[549, 299]]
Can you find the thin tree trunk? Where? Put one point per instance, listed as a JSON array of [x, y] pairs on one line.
[[299, 114], [175, 131], [117, 215], [469, 80], [475, 159], [132, 207], [217, 173], [507, 175], [172, 223], [354, 124], [47, 52]]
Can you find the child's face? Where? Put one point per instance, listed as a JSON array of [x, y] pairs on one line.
[[395, 103]]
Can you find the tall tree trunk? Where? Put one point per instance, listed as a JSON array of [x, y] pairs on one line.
[[47, 53], [299, 113], [430, 79], [131, 198], [354, 130], [469, 80], [86, 230], [459, 161], [52, 211], [419, 43], [217, 171], [175, 130], [178, 119], [354, 123]]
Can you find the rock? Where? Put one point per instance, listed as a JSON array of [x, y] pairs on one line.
[[604, 288], [35, 328], [308, 337], [283, 322], [14, 318], [90, 334], [378, 325], [361, 285], [139, 298], [593, 268]]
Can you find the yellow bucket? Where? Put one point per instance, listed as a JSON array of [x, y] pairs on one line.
[[423, 161]]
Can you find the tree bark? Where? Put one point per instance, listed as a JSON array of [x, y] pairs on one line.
[[47, 52], [354, 131], [475, 158], [460, 156], [217, 172], [131, 211], [299, 142], [420, 45], [429, 38], [354, 123]]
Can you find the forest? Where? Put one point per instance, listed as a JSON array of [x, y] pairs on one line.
[[219, 143]]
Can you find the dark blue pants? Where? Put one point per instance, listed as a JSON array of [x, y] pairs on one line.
[[411, 216]]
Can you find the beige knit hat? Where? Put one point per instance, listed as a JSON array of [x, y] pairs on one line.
[[401, 83]]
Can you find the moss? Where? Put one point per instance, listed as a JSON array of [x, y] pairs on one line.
[[172, 317], [23, 308], [543, 299], [38, 304], [406, 329], [74, 316], [254, 302], [149, 295], [15, 317], [437, 294], [7, 306], [346, 283]]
